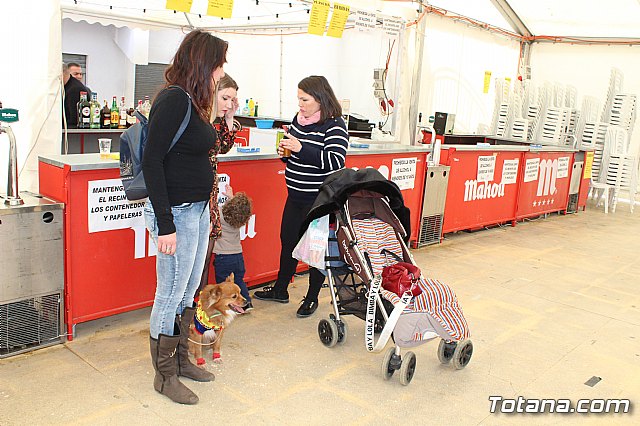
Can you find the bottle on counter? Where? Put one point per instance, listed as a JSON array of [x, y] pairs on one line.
[[96, 113], [245, 110], [115, 114], [131, 118], [146, 107], [255, 112], [105, 123], [123, 115], [252, 107], [84, 112]]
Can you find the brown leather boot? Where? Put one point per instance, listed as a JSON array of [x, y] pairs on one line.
[[166, 381], [185, 367]]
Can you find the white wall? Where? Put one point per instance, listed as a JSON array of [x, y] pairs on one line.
[[109, 72], [254, 61], [30, 81], [456, 57]]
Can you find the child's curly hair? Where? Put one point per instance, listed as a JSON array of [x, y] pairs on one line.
[[238, 210]]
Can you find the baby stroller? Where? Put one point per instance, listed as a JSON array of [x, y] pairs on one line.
[[369, 227]]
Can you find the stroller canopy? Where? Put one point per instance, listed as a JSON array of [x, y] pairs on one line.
[[338, 186]]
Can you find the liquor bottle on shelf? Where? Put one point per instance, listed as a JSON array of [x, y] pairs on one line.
[[131, 118], [255, 112], [252, 107], [123, 115], [95, 112], [84, 110], [245, 110], [115, 114], [106, 116], [146, 107]]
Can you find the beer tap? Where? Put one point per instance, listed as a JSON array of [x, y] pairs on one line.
[[8, 115]]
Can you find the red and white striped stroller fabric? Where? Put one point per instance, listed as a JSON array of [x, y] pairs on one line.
[[437, 299]]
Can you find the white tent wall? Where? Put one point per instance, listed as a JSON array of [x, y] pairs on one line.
[[587, 67], [30, 81], [455, 59]]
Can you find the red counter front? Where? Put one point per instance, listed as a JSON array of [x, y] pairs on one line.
[[544, 183], [472, 204], [109, 270], [523, 183], [102, 274]]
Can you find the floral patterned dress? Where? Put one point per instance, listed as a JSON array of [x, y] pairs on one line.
[[223, 144]]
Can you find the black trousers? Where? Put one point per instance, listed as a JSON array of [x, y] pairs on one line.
[[292, 218]]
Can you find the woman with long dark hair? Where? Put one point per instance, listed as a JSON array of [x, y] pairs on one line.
[[179, 183]]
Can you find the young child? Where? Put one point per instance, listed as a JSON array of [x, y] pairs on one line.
[[234, 214]]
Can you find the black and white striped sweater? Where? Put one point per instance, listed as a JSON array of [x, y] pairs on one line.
[[324, 149]]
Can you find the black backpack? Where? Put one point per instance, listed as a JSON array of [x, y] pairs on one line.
[[132, 143]]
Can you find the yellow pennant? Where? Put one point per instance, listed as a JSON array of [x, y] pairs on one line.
[[221, 8], [338, 20], [179, 5], [487, 81], [318, 17]]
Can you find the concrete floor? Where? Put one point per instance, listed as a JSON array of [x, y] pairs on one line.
[[550, 302]]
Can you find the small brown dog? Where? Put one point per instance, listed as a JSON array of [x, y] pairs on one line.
[[218, 305]]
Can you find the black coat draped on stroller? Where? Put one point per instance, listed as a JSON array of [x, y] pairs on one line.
[[369, 226]]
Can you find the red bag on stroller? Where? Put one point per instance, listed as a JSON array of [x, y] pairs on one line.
[[400, 278]]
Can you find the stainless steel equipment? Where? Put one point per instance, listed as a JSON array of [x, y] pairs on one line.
[[31, 275], [435, 194], [8, 115]]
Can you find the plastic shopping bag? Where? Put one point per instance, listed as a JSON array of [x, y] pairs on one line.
[[312, 247]]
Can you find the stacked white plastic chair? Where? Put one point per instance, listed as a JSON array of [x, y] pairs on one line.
[[518, 126], [500, 118], [616, 80], [621, 167]]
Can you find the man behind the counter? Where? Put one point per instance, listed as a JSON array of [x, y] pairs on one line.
[[72, 89]]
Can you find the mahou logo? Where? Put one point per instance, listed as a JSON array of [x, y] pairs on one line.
[[548, 172], [480, 191]]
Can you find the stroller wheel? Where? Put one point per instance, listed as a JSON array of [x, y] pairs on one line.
[[407, 368], [328, 332], [462, 354], [390, 363], [445, 351], [343, 330]]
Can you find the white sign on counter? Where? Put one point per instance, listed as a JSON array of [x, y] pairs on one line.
[[563, 167], [403, 172], [531, 169], [109, 209], [486, 168], [510, 171]]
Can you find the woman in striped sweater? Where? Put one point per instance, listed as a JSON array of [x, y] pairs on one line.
[[318, 141]]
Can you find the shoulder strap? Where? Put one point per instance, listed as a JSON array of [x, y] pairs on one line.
[[185, 121]]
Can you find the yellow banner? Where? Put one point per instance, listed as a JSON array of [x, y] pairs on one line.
[[588, 165], [221, 8], [487, 81], [179, 5], [318, 17], [338, 20]]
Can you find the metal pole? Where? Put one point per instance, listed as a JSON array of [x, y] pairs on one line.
[[13, 197], [415, 81]]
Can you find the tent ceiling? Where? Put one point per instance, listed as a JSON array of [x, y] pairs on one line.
[[568, 18], [577, 18]]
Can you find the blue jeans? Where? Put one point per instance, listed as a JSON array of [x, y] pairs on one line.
[[178, 276], [227, 264]]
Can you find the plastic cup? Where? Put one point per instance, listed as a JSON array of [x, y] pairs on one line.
[[279, 137], [105, 148]]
